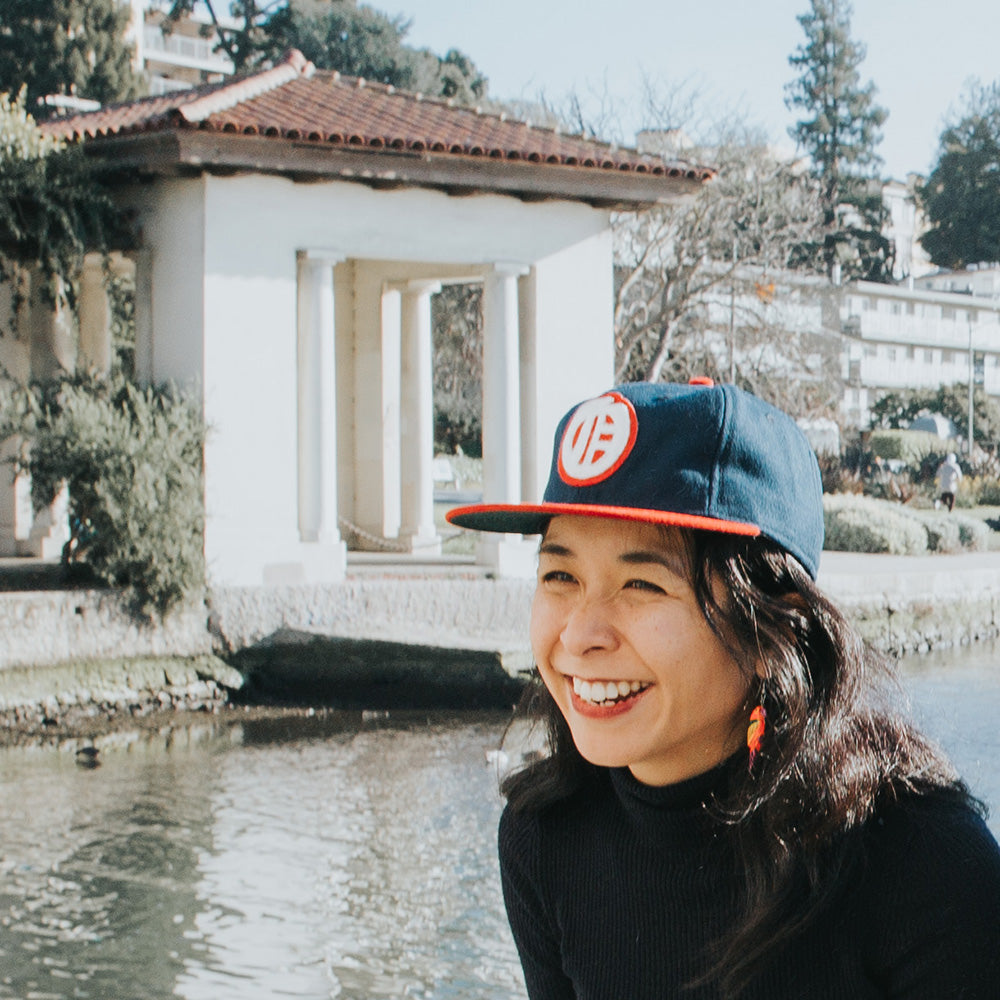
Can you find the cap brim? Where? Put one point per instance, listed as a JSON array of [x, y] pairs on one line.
[[531, 519]]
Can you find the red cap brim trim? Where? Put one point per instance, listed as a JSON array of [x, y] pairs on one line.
[[529, 519]]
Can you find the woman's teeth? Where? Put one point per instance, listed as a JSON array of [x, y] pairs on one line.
[[604, 692]]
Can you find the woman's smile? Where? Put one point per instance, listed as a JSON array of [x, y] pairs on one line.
[[604, 699]]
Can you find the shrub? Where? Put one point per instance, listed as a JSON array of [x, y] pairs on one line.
[[941, 528], [908, 447], [973, 533], [131, 458], [862, 524], [979, 490]]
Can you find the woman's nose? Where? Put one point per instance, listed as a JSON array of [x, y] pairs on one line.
[[589, 626]]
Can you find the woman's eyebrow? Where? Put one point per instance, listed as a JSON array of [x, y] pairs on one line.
[[668, 561], [554, 549]]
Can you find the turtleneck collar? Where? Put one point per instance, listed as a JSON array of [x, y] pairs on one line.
[[678, 815]]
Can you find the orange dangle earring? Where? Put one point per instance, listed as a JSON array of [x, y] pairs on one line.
[[755, 732]]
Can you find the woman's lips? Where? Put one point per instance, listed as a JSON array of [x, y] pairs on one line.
[[605, 699]]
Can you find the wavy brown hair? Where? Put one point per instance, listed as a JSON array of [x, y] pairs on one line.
[[835, 746]]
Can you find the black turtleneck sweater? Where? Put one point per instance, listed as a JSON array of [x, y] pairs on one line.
[[617, 893]]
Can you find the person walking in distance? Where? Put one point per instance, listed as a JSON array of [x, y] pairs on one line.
[[949, 475]]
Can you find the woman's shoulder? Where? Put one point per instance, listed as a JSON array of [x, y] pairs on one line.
[[933, 851], [927, 905], [943, 825]]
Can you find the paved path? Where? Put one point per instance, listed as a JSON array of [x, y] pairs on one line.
[[857, 574]]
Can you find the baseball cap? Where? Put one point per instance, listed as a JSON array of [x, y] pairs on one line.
[[701, 455]]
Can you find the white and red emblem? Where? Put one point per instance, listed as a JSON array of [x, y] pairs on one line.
[[597, 439]]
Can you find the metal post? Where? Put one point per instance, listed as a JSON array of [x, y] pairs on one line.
[[972, 373]]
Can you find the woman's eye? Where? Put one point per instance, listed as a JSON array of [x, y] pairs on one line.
[[644, 585], [557, 576]]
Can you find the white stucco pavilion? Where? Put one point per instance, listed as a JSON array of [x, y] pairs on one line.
[[294, 226]]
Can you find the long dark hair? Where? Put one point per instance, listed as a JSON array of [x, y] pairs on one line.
[[835, 748]]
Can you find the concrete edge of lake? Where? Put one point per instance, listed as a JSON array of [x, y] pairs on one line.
[[394, 640]]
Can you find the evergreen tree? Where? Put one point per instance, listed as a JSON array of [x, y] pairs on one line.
[[74, 47], [962, 195], [840, 131]]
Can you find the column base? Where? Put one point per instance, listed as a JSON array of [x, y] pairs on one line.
[[422, 545], [508, 555]]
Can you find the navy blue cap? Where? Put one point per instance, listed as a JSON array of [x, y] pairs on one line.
[[698, 456]]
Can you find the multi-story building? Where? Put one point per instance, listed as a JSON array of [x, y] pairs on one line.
[[183, 57], [901, 337]]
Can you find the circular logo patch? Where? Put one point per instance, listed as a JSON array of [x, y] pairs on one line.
[[597, 439]]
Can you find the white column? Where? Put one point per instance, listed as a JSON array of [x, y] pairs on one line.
[[317, 418], [143, 260], [507, 554], [94, 317], [417, 419], [390, 368]]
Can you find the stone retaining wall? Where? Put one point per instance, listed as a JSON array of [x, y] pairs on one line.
[[75, 635]]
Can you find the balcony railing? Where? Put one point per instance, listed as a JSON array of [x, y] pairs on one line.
[[184, 50]]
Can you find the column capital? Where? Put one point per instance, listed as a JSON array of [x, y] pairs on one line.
[[509, 269], [415, 286], [318, 255]]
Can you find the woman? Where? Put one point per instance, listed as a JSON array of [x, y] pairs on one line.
[[729, 807]]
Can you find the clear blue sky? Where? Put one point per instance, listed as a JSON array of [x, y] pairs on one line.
[[733, 52]]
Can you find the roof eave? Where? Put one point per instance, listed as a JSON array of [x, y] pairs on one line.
[[182, 150]]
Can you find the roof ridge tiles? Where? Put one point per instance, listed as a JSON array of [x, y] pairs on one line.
[[232, 93]]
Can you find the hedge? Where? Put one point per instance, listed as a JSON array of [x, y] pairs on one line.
[[857, 523]]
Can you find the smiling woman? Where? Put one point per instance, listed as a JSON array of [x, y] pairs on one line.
[[729, 806]]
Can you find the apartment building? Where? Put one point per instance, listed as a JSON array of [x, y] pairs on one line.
[[901, 337], [184, 57]]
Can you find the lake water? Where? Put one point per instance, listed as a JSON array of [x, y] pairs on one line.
[[338, 856]]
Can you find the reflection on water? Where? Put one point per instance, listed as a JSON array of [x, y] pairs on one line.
[[340, 860], [327, 857]]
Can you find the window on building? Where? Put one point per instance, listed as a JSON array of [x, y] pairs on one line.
[[871, 351], [894, 308], [947, 357], [929, 357], [910, 354], [890, 353], [947, 312], [909, 309]]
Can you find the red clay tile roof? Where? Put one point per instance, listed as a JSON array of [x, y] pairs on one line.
[[293, 101]]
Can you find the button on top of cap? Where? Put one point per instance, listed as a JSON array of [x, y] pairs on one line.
[[702, 380]]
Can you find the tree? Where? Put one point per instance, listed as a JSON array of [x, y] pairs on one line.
[[898, 409], [961, 198], [458, 369], [241, 43], [694, 277], [66, 47], [840, 133], [338, 34]]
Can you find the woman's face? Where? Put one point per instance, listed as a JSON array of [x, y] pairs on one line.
[[622, 646]]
